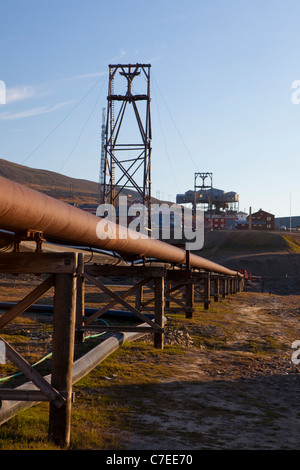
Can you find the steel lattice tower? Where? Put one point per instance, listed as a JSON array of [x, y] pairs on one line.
[[128, 154], [201, 189]]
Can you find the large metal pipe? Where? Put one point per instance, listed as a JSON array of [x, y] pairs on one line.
[[22, 208], [81, 367]]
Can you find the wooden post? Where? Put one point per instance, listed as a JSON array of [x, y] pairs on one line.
[[223, 287], [159, 311], [189, 299], [139, 298], [227, 286], [207, 291], [216, 289], [62, 356]]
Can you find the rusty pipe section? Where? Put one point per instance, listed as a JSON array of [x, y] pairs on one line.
[[22, 209]]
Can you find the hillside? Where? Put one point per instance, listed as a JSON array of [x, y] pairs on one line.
[[51, 183], [226, 243], [65, 188], [272, 256]]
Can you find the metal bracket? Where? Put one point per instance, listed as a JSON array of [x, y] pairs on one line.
[[29, 235]]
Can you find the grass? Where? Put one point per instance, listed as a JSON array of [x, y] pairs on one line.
[[99, 416], [293, 243]]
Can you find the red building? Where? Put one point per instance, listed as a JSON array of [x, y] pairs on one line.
[[260, 220]]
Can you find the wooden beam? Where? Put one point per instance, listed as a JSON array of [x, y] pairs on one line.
[[130, 271], [38, 263], [22, 395]]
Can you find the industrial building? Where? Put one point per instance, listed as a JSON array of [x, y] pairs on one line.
[[220, 199], [220, 207], [285, 223]]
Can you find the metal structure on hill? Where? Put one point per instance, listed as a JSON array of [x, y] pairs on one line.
[[128, 154]]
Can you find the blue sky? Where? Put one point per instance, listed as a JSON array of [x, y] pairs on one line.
[[221, 88]]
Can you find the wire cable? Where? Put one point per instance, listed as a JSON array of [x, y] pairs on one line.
[[83, 128], [183, 142], [167, 152], [63, 120]]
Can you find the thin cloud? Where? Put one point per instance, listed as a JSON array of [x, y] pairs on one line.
[[9, 116], [116, 58], [19, 93], [80, 77], [23, 92]]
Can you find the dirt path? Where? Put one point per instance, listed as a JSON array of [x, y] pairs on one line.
[[242, 396]]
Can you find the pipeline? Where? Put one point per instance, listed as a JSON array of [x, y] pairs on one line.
[[22, 209], [45, 310]]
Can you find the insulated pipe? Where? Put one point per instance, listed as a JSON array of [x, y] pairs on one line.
[[81, 367], [22, 208]]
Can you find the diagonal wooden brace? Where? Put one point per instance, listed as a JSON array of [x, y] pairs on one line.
[[30, 299], [53, 395], [120, 300], [104, 309]]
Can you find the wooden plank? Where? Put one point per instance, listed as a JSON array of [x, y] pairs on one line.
[[127, 271], [22, 395], [53, 395], [38, 263], [30, 299], [120, 300]]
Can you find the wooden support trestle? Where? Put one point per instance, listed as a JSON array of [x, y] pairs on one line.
[[69, 277]]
